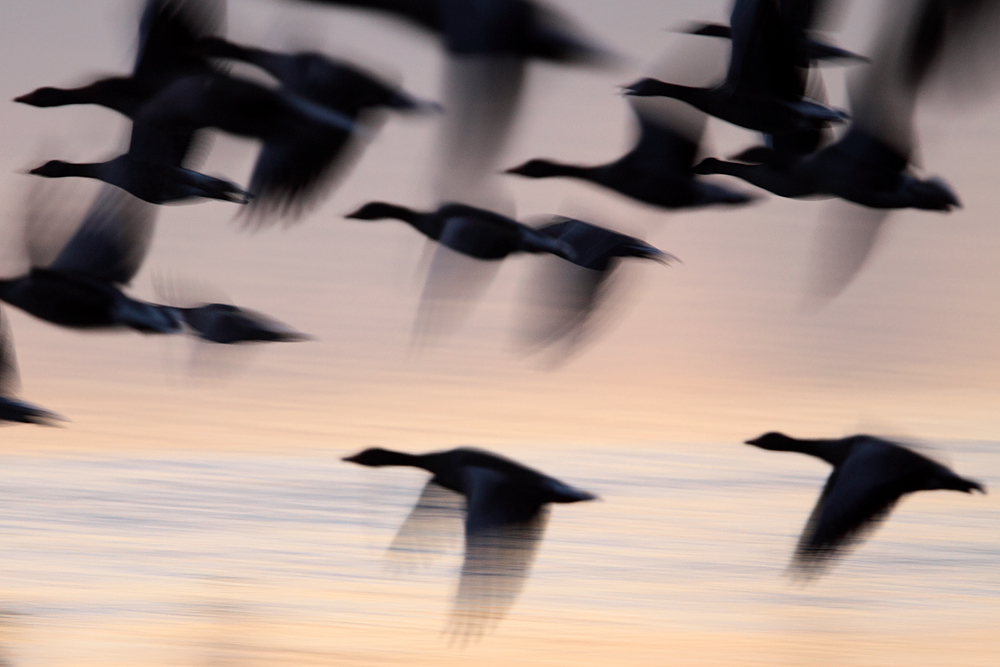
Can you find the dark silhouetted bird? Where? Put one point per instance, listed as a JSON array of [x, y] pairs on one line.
[[12, 409], [562, 298], [656, 171], [871, 164], [334, 84], [489, 44], [169, 31], [81, 287], [471, 231], [869, 476], [505, 515], [144, 176], [765, 84]]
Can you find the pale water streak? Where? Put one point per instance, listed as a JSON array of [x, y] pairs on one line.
[[232, 559]]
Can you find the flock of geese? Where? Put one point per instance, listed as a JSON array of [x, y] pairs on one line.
[[313, 122]]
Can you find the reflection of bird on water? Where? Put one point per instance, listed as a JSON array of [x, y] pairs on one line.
[[567, 294], [505, 516], [81, 287], [869, 476], [656, 171], [11, 409]]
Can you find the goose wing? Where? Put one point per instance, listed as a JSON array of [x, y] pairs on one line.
[[10, 380], [595, 247], [859, 494], [113, 239], [168, 33], [503, 528], [436, 517]]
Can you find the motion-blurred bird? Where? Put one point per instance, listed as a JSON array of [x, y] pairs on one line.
[[169, 31], [334, 84], [81, 287], [471, 231], [489, 44], [12, 409], [656, 171], [765, 84], [869, 476], [505, 512], [563, 297], [871, 164]]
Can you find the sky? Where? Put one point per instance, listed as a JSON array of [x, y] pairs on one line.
[[718, 348]]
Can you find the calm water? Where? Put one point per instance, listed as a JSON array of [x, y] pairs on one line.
[[241, 559]]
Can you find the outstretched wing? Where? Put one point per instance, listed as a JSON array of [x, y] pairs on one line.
[[10, 381], [113, 239], [168, 34], [435, 518], [859, 494], [503, 528]]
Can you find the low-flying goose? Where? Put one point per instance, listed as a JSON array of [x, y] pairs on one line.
[[505, 512], [869, 477]]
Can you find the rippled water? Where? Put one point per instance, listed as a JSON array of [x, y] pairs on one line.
[[241, 559]]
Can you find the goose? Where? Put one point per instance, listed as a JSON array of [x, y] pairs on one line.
[[764, 85], [169, 31], [489, 45], [468, 230], [520, 28], [291, 163], [334, 84], [563, 297], [871, 164], [82, 287], [656, 171], [150, 180], [505, 512], [869, 477], [11, 408]]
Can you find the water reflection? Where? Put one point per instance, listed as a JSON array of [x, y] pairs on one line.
[[238, 559]]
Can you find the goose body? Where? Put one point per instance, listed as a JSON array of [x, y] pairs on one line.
[[657, 170], [472, 231], [859, 168], [82, 287], [869, 476], [765, 83]]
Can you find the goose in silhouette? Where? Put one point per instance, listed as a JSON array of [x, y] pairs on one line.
[[81, 287], [598, 248], [505, 512], [12, 409], [764, 85], [291, 164], [656, 171], [869, 476], [152, 181], [564, 297], [520, 28], [334, 84], [468, 230], [871, 164], [169, 31], [489, 44]]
